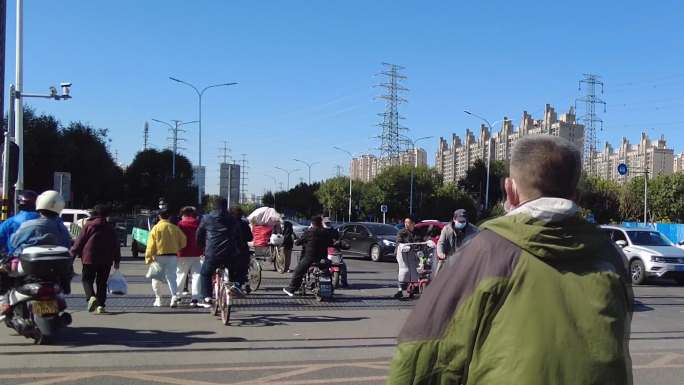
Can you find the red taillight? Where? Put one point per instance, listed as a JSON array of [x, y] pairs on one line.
[[46, 292]]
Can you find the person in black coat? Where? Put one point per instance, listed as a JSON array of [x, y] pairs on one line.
[[241, 272], [316, 241]]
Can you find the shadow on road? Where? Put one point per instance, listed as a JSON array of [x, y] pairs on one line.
[[89, 336], [284, 319], [641, 307]]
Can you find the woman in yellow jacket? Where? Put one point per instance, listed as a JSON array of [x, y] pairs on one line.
[[163, 243]]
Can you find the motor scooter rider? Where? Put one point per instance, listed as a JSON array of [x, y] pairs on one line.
[[338, 245], [48, 229], [407, 266], [26, 204], [316, 241]]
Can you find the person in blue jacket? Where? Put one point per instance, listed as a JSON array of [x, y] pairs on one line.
[[26, 205]]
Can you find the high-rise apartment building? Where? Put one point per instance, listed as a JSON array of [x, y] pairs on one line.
[[229, 182], [646, 155], [453, 159], [366, 167], [199, 178]]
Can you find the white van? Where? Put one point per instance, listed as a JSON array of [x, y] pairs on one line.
[[70, 216]]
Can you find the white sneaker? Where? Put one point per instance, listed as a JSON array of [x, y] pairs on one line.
[[174, 301], [157, 302]]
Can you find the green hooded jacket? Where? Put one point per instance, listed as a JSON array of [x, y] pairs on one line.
[[540, 296]]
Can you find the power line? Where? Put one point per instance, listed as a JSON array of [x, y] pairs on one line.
[[225, 152], [391, 143], [590, 118]]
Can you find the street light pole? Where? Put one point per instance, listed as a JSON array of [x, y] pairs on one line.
[[413, 167], [309, 165], [288, 172], [19, 87], [489, 154], [275, 183], [200, 93], [350, 178]]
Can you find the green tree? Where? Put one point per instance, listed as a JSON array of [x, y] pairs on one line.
[[600, 197], [149, 177], [448, 198], [475, 182], [666, 197], [395, 185], [333, 195], [632, 200]]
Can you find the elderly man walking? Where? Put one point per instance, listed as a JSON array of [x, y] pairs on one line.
[[539, 296]]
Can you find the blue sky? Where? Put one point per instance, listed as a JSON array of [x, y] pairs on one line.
[[306, 70]]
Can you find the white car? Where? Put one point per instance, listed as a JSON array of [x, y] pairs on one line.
[[74, 216], [649, 254]]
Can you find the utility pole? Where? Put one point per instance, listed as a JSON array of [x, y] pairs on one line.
[[590, 118], [307, 164], [288, 172], [391, 144], [146, 136], [225, 155], [174, 128], [19, 88]]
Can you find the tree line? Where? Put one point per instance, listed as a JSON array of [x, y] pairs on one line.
[[83, 151]]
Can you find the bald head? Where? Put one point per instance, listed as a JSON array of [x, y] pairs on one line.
[[545, 166]]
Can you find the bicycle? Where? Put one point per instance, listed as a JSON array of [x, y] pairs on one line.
[[254, 272], [223, 290]]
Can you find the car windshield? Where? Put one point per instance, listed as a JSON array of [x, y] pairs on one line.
[[648, 238], [382, 229]]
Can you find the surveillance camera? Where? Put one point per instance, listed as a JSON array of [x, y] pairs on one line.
[[65, 88]]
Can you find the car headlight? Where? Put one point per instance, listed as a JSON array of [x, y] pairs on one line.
[[655, 258], [388, 242]]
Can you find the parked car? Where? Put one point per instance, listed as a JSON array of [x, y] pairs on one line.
[[371, 240], [649, 254]]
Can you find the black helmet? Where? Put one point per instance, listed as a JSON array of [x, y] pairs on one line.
[[26, 200]]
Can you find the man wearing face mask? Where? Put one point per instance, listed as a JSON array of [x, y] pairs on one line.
[[453, 236], [539, 296]]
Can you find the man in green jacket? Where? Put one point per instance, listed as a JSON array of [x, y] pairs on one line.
[[539, 296]]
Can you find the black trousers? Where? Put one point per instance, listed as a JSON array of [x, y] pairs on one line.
[[300, 272], [96, 274]]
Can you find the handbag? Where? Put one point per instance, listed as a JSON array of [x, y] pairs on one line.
[[155, 271], [116, 284]]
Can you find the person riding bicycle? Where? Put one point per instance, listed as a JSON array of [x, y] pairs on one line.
[[241, 273], [219, 236], [408, 267], [316, 241]]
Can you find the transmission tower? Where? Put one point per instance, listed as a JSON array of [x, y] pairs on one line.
[[225, 153], [590, 119], [338, 170], [243, 178], [175, 129], [146, 135], [391, 143]]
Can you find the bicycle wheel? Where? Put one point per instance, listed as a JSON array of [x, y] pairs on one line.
[[217, 288], [254, 274], [279, 260], [225, 304]]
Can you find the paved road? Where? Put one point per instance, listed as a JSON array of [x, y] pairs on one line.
[[278, 340]]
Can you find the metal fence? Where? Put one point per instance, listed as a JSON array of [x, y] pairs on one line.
[[673, 231]]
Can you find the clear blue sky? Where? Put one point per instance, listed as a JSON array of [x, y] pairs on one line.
[[306, 69]]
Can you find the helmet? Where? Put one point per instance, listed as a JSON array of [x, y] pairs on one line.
[[26, 200], [50, 200]]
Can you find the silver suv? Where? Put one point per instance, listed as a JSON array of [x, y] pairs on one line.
[[649, 253]]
